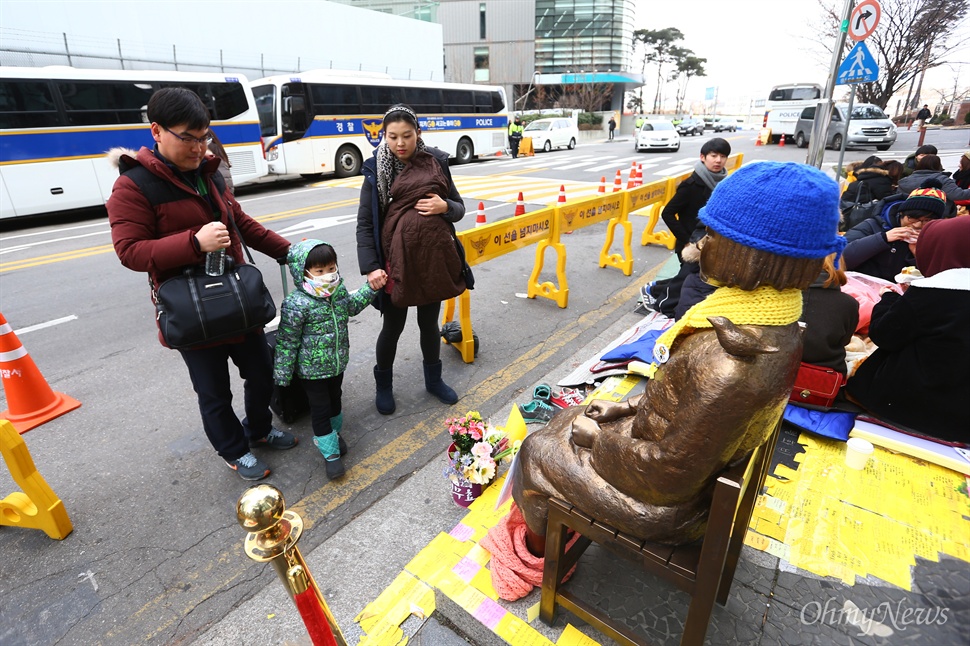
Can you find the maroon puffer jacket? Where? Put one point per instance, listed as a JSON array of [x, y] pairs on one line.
[[158, 240]]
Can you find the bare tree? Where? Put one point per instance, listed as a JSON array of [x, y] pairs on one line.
[[590, 97], [912, 36]]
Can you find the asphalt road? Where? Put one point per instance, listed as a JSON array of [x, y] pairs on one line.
[[155, 556]]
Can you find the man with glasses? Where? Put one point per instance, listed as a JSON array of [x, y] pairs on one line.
[[169, 209]]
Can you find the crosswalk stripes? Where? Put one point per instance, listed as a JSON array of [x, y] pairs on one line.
[[623, 163], [538, 190], [674, 170]]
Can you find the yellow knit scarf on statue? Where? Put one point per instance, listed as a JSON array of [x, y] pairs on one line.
[[761, 306]]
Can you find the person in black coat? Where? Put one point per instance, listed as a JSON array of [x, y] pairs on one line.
[[962, 176], [882, 245], [830, 318], [680, 214], [919, 376], [875, 182]]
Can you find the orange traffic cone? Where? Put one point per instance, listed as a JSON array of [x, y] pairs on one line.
[[602, 188], [639, 175], [618, 182], [758, 142], [519, 206], [631, 181], [30, 399], [781, 142], [480, 218], [562, 198]]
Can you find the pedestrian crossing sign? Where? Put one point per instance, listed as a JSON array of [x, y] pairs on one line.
[[859, 66]]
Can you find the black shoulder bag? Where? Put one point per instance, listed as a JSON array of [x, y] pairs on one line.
[[195, 309], [860, 210]]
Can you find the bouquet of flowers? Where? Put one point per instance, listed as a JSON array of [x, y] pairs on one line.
[[478, 449]]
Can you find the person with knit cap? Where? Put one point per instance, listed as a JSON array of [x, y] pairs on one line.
[[721, 375], [919, 376], [929, 167], [882, 245], [909, 164]]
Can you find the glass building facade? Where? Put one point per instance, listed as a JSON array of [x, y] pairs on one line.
[[583, 35]]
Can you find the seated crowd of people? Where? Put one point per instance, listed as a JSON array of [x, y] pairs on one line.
[[914, 248]]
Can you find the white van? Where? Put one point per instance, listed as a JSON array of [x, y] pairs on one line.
[[547, 134], [869, 126]]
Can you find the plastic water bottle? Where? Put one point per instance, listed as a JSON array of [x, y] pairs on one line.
[[215, 262]]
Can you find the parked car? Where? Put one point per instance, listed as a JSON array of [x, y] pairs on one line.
[[725, 124], [656, 135], [869, 126], [690, 127], [547, 134]]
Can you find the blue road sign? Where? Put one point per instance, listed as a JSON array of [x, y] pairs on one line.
[[859, 66]]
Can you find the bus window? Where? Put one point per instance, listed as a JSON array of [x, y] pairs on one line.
[[294, 111], [265, 97], [424, 100], [483, 102], [27, 104], [103, 103], [229, 100], [376, 99], [458, 101], [498, 101], [334, 99]]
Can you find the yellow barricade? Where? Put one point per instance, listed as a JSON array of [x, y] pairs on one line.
[[544, 229], [491, 241], [665, 238]]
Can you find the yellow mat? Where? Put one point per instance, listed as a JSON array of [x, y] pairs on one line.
[[834, 521]]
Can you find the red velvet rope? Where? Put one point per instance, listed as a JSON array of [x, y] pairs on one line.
[[314, 619]]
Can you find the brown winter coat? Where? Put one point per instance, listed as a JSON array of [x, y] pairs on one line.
[[422, 260]]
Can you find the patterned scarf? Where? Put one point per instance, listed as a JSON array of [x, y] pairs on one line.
[[388, 168]]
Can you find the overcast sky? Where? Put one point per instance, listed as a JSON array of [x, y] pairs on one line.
[[749, 45]]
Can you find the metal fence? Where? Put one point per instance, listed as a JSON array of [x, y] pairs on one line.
[[25, 48]]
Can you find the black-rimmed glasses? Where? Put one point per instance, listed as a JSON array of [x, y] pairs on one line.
[[190, 140]]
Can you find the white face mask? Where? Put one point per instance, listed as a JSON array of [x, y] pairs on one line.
[[323, 286]]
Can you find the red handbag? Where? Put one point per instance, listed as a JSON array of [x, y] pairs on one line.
[[816, 385]]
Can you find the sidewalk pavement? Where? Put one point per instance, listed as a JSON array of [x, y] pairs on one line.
[[767, 604]]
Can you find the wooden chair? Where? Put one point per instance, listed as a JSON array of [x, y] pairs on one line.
[[703, 569]]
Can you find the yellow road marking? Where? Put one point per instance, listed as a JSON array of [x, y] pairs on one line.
[[329, 497], [13, 265]]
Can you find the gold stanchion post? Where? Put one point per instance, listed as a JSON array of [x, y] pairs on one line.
[[273, 534]]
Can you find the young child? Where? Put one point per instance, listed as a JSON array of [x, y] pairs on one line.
[[312, 340]]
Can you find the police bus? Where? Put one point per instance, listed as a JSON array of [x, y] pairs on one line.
[[329, 121], [56, 123]]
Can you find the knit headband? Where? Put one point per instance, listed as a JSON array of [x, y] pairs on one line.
[[401, 108]]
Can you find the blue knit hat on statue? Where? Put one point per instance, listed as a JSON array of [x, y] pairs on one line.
[[784, 208]]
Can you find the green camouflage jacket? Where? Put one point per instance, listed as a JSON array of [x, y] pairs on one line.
[[312, 340]]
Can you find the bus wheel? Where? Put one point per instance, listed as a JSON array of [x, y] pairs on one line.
[[348, 161], [465, 152]]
